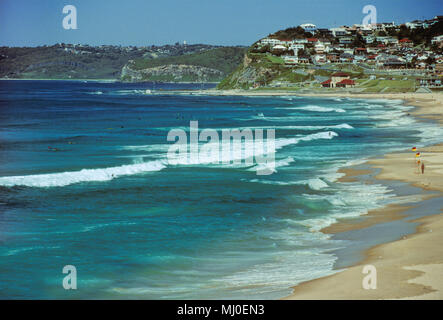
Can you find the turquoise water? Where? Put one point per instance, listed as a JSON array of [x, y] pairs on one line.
[[84, 181]]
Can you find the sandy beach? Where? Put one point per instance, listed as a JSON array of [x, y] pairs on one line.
[[409, 268]]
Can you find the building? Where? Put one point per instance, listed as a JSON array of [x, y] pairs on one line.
[[319, 59], [346, 57], [339, 76], [360, 51], [369, 39], [345, 83], [295, 47], [279, 47], [345, 40], [437, 40], [290, 60], [309, 27], [339, 79], [312, 40], [326, 84], [414, 24], [270, 41], [430, 82], [339, 32], [319, 48], [405, 43], [333, 58], [303, 60]]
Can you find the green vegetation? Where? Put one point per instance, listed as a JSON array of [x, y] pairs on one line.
[[225, 59], [393, 86], [54, 62], [418, 35], [291, 33], [67, 61]]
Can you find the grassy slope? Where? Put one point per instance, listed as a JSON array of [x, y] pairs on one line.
[[225, 59]]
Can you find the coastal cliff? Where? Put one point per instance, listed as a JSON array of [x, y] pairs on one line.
[[171, 73], [255, 70], [203, 66]]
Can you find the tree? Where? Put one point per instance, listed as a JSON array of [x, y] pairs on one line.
[[358, 41]]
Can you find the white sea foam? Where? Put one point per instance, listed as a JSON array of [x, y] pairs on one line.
[[85, 175], [348, 200], [307, 128], [317, 184], [104, 174], [280, 143], [316, 108]]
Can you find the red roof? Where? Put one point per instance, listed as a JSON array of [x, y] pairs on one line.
[[326, 82], [312, 39], [405, 40], [347, 81], [340, 74], [381, 45], [361, 49]]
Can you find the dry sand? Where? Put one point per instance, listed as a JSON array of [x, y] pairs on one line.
[[410, 268]]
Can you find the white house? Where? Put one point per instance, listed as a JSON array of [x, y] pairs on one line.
[[437, 39], [270, 41], [279, 47], [290, 59], [309, 27], [296, 47], [414, 24], [319, 48], [319, 58], [339, 32]]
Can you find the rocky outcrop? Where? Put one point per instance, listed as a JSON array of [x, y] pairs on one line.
[[173, 73], [253, 71]]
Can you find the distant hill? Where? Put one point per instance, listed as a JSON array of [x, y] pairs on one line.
[[68, 61], [210, 65]]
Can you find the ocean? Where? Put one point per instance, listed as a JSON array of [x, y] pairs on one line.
[[84, 181]]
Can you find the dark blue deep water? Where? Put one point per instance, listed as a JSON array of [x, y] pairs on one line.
[[84, 181]]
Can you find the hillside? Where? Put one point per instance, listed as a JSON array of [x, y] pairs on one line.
[[68, 61], [393, 58], [210, 65]]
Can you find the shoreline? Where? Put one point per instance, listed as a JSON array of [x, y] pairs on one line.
[[407, 268]]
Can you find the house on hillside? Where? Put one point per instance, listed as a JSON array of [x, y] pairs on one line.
[[406, 43], [437, 40], [291, 60], [345, 40], [309, 27], [319, 58], [333, 57], [319, 48], [360, 51], [339, 32]]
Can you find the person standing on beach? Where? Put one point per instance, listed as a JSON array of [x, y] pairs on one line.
[[422, 168]]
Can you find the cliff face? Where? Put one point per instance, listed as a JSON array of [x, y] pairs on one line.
[[254, 70], [172, 73]]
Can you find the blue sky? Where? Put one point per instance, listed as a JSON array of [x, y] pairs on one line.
[[222, 22]]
